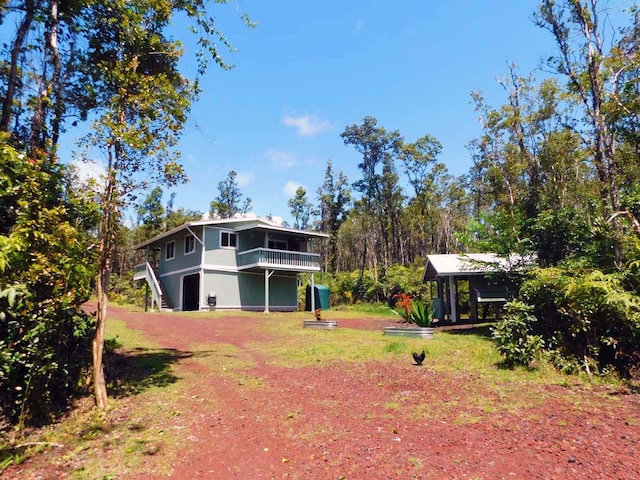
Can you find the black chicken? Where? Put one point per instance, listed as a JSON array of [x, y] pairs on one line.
[[418, 358]]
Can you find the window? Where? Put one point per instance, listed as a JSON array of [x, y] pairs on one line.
[[170, 250], [189, 244], [228, 240], [277, 245]]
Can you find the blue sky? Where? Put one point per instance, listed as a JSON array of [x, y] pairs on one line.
[[311, 68]]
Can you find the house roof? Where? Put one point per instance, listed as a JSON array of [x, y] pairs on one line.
[[234, 224], [445, 265]]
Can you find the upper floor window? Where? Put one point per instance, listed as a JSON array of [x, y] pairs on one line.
[[170, 250], [228, 240], [189, 244]]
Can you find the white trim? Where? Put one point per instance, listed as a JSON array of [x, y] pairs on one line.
[[181, 271], [193, 249], [228, 232], [227, 269], [166, 245], [242, 224]]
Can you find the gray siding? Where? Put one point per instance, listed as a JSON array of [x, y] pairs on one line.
[[246, 290], [181, 261]]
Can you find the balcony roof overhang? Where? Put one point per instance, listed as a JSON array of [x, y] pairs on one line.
[[236, 225]]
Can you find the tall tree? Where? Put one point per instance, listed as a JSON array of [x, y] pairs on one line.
[[579, 29], [335, 197], [229, 201], [151, 213], [301, 208], [422, 214], [378, 185], [41, 78], [142, 102]]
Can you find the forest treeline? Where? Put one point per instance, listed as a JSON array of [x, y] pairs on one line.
[[555, 176]]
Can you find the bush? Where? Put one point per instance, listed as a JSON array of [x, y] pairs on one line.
[[45, 272], [585, 318], [514, 337], [45, 353]]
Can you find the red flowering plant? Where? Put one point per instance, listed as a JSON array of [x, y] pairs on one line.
[[403, 306], [414, 311]]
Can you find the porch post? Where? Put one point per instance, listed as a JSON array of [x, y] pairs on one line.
[[313, 292], [452, 298], [146, 283], [266, 291], [202, 303]]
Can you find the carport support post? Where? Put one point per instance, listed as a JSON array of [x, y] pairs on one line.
[[452, 298], [267, 274], [313, 293], [146, 284]]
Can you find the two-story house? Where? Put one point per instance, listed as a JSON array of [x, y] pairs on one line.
[[238, 263]]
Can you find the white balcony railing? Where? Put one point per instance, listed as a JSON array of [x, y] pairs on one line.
[[279, 259]]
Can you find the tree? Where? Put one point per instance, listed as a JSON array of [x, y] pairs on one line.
[[584, 60], [528, 164], [41, 89], [142, 101], [378, 185], [424, 214], [335, 197], [229, 201], [301, 208], [151, 213]]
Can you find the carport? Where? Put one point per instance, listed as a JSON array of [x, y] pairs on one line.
[[461, 283]]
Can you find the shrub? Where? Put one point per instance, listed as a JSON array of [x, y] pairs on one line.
[[514, 336], [585, 318], [45, 272]]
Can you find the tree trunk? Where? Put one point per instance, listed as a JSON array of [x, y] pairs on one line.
[[105, 252], [12, 80], [99, 384], [57, 88]]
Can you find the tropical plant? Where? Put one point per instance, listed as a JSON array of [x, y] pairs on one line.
[[413, 310], [403, 306], [45, 273], [422, 313], [514, 337]]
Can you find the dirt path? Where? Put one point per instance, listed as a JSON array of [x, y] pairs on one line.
[[376, 420]]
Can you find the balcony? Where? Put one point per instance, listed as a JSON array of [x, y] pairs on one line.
[[266, 258]]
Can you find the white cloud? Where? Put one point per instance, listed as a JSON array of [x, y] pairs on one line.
[[89, 170], [244, 178], [307, 125], [277, 220], [281, 159], [290, 188]]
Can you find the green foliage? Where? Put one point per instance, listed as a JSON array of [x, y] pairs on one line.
[[561, 234], [422, 313], [122, 289], [513, 335], [229, 201], [585, 317], [301, 208], [44, 335]]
